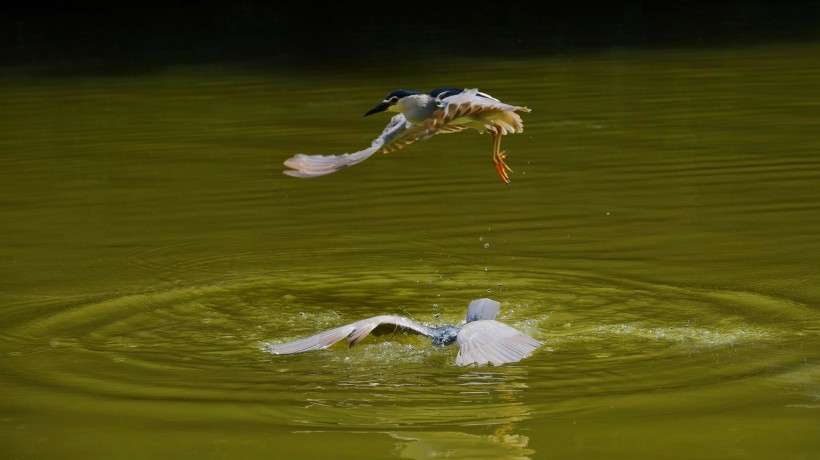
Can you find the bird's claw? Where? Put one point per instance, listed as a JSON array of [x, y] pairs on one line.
[[501, 166]]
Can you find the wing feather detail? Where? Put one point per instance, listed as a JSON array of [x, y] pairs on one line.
[[398, 132], [353, 332], [491, 342], [499, 116]]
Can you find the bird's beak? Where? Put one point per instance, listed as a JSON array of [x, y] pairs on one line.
[[379, 108]]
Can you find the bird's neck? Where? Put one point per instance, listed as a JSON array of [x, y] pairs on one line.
[[417, 107]]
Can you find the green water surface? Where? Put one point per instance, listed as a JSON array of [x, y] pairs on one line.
[[661, 234]]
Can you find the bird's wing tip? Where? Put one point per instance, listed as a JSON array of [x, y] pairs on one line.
[[483, 308], [318, 341], [305, 166], [296, 173]]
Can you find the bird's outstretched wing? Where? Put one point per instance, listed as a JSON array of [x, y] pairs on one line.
[[354, 333], [397, 134], [488, 341], [454, 115], [496, 115]]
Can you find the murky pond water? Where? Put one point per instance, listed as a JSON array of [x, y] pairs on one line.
[[660, 235]]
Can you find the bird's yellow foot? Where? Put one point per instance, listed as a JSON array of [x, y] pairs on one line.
[[501, 166]]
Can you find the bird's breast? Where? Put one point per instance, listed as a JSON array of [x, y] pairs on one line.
[[418, 109]]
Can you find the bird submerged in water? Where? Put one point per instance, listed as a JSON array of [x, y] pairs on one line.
[[481, 339], [420, 116]]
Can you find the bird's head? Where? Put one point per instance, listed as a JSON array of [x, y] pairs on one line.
[[393, 101], [444, 335]]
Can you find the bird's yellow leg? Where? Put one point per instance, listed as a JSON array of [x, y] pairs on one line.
[[499, 156]]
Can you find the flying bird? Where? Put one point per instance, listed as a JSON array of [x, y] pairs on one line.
[[420, 116], [481, 338]]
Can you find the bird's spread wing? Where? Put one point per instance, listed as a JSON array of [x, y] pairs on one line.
[[419, 132], [354, 333], [482, 309], [488, 341], [397, 134], [495, 115]]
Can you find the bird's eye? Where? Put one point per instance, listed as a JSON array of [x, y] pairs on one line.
[[393, 100]]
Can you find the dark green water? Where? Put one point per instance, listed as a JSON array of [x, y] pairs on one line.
[[660, 234]]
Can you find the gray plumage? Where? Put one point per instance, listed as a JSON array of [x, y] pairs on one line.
[[421, 116], [481, 339]]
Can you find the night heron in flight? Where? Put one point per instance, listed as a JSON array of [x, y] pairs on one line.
[[481, 338], [420, 115]]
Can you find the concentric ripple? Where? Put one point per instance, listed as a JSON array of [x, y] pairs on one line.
[[604, 337]]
